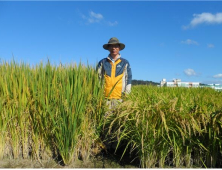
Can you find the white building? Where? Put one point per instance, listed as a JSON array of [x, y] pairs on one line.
[[179, 83], [215, 86]]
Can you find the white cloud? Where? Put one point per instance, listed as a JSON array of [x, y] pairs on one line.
[[93, 17], [112, 23], [210, 45], [190, 72], [218, 76], [206, 18], [190, 42]]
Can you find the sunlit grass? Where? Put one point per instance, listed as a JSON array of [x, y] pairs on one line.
[[49, 111], [44, 110], [171, 126]]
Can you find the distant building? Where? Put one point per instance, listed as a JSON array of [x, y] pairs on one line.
[[178, 83], [215, 86]]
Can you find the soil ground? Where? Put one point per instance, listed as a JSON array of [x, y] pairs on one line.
[[97, 162]]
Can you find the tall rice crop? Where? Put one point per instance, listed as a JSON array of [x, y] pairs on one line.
[[44, 109], [171, 126], [49, 111], [14, 102]]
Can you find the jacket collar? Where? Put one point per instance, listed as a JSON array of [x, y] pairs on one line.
[[111, 59]]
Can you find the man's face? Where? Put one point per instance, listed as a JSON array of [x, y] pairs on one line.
[[114, 49]]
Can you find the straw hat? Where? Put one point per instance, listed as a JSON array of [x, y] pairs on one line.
[[114, 40]]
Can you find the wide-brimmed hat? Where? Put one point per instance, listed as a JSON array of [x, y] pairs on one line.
[[114, 40]]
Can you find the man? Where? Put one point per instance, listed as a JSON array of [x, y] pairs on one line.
[[116, 71]]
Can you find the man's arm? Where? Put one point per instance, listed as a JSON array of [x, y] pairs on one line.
[[129, 79], [100, 69]]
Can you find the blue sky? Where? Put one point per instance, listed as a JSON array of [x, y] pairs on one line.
[[164, 39]]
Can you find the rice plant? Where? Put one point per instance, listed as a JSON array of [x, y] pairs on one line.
[[171, 126], [58, 112], [44, 109]]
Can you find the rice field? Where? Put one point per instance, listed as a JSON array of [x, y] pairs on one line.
[[58, 112], [49, 111], [171, 127]]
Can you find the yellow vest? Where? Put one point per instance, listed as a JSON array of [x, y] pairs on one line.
[[113, 84], [117, 77]]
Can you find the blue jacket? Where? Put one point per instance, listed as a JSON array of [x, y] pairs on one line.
[[118, 76]]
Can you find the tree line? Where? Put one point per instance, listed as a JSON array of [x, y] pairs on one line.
[[143, 82]]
